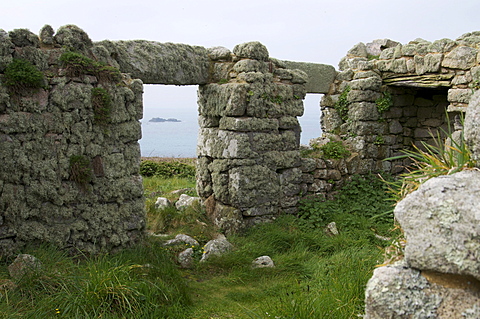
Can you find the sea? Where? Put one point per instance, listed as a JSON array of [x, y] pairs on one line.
[[179, 139]]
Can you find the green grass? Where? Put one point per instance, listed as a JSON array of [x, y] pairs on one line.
[[316, 275]]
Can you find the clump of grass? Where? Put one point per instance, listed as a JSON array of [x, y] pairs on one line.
[[137, 283], [77, 64], [80, 170], [446, 156], [342, 104], [334, 150]]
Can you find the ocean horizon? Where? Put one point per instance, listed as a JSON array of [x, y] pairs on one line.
[[179, 139]]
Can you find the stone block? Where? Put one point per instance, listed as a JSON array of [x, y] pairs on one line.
[[459, 95], [248, 124], [446, 208], [429, 63], [224, 144], [223, 99], [462, 57]]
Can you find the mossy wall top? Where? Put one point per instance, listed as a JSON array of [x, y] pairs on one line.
[[69, 153]]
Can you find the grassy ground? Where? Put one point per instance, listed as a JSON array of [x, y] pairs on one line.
[[316, 275]]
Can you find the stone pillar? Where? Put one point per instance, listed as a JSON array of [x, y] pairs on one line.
[[248, 147]]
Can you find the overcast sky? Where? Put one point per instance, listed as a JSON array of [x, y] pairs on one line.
[[300, 30]]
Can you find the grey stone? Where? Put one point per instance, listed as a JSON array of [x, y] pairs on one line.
[[181, 239], [71, 36], [371, 83], [446, 209], [160, 63], [24, 38], [429, 63], [185, 258], [219, 54], [23, 265], [251, 50], [263, 262], [331, 229], [46, 35], [461, 57], [185, 201], [162, 203], [472, 126], [377, 46], [459, 95], [216, 247], [399, 292], [358, 50]]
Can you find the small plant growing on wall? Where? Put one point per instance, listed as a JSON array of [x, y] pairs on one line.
[[21, 75], [342, 104], [80, 170], [385, 102], [334, 150], [102, 106], [77, 64]]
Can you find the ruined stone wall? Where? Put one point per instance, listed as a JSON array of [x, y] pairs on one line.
[[69, 139], [69, 172], [248, 146], [388, 96]]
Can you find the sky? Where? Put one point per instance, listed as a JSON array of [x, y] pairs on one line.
[[302, 30]]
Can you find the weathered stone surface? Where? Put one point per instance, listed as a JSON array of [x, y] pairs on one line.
[[185, 200], [223, 100], [358, 50], [461, 57], [46, 35], [429, 63], [446, 209], [459, 95], [71, 36], [23, 265], [397, 291], [162, 203], [248, 124], [219, 54], [251, 50], [24, 38], [185, 258], [160, 63], [377, 46], [216, 247], [319, 76], [472, 126], [181, 239], [263, 262]]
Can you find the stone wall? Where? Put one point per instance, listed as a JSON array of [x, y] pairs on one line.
[[68, 176], [439, 276], [248, 146], [69, 139], [388, 96]]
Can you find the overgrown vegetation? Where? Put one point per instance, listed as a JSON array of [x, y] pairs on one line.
[[102, 106], [149, 168], [316, 275], [334, 150], [385, 102], [448, 154], [21, 75], [342, 104], [77, 64]]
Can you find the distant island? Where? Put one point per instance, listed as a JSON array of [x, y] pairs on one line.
[[160, 120]]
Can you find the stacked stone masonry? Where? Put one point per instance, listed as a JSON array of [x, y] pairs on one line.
[[70, 166], [396, 95], [50, 136]]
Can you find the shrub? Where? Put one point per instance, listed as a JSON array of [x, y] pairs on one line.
[[166, 169], [21, 74]]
